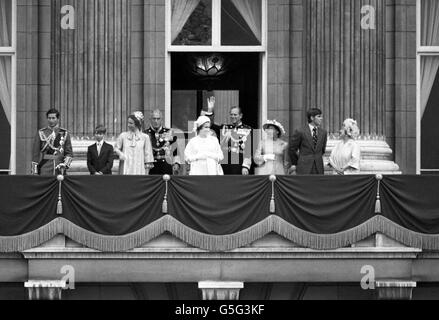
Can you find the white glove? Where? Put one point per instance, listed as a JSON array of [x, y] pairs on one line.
[[122, 157], [269, 157]]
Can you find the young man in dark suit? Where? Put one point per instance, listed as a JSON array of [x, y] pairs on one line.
[[100, 155], [308, 145]]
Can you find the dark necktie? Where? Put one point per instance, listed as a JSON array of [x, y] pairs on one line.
[[314, 136]]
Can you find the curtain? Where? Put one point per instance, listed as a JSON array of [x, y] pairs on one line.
[[430, 37], [251, 12], [5, 64], [181, 11], [429, 67], [430, 23]]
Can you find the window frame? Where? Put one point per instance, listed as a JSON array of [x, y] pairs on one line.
[[216, 33], [421, 51], [11, 52], [217, 47]]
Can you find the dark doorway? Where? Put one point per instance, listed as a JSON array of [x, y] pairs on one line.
[[5, 141], [238, 86]]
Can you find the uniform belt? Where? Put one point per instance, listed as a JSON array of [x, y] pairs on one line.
[[50, 157], [160, 160]]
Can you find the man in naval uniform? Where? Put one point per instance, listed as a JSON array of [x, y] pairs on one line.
[[164, 146], [52, 152], [236, 143]]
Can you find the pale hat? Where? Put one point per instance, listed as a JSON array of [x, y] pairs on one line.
[[200, 122], [276, 124]]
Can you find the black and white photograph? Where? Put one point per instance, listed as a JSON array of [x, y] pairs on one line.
[[241, 151]]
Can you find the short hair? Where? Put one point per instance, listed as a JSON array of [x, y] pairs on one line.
[[157, 111], [53, 111], [236, 107], [137, 122], [312, 113], [100, 129]]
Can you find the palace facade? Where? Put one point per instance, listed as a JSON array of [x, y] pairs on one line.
[[98, 61]]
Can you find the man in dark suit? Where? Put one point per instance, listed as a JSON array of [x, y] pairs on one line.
[[100, 156], [308, 145]]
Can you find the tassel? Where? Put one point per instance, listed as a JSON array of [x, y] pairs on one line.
[[60, 179], [59, 207], [166, 178], [272, 203], [378, 205], [379, 177], [272, 206], [165, 206]]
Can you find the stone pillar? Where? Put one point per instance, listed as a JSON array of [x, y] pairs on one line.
[[45, 289], [394, 289], [220, 290]]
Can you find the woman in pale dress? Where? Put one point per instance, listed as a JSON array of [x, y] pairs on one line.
[[203, 152], [346, 155], [134, 148], [271, 156]]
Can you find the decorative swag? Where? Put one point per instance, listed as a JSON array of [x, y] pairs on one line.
[[218, 213]]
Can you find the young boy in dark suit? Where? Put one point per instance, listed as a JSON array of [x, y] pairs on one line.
[[100, 155]]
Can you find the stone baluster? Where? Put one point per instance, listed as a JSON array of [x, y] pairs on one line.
[[220, 290]]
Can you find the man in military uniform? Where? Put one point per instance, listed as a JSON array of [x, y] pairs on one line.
[[164, 146], [236, 143], [52, 150]]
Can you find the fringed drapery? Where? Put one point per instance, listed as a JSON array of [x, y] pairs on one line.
[[114, 214]]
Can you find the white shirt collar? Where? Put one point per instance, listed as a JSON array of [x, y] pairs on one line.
[[311, 127]]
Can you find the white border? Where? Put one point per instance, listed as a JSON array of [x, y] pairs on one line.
[[217, 47], [11, 52]]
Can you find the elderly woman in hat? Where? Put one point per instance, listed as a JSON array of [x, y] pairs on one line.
[[345, 157], [203, 152], [134, 148], [271, 155]]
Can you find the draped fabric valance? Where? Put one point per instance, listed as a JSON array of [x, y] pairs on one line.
[[218, 213]]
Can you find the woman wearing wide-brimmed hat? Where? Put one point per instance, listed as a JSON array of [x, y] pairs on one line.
[[203, 152], [345, 157], [271, 155]]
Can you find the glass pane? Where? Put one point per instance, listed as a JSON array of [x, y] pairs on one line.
[[429, 112], [241, 22], [5, 23], [191, 22], [5, 114], [430, 23]]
